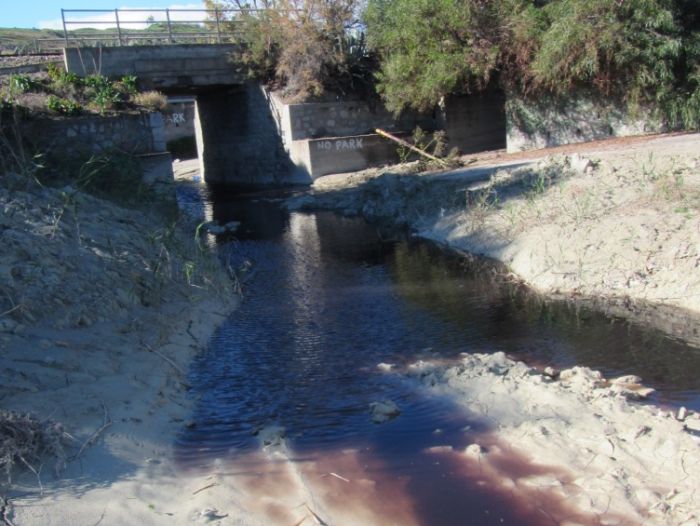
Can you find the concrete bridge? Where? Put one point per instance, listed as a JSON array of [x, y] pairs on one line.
[[246, 136], [237, 138]]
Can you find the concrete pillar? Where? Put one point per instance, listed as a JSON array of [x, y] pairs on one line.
[[237, 140]]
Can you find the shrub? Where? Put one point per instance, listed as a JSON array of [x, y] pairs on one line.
[[127, 85], [60, 77], [303, 46], [641, 52]]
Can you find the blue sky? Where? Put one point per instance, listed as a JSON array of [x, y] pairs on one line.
[[47, 13]]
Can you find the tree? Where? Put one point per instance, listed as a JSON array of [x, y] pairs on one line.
[[638, 51], [305, 47]]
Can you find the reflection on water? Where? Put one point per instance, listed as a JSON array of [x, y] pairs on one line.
[[329, 299]]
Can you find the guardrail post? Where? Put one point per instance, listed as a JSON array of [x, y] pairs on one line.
[[65, 31], [218, 29], [170, 27], [119, 29]]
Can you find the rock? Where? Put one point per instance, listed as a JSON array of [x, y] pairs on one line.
[[232, 226], [581, 164], [299, 203], [212, 514], [272, 436], [216, 229], [550, 373], [630, 386], [474, 450], [383, 411]]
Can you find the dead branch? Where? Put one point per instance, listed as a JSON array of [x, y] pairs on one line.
[[107, 421], [4, 510], [411, 147], [205, 487]]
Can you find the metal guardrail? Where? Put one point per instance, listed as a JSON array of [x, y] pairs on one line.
[[169, 25]]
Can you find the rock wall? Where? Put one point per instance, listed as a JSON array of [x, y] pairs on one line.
[[549, 121], [63, 141], [132, 133]]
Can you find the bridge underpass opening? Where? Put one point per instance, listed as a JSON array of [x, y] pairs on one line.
[[232, 132]]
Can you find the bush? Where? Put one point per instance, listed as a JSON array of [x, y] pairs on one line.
[[431, 48], [20, 84], [640, 52], [60, 77], [305, 47]]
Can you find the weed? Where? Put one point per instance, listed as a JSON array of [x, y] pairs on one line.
[[433, 143], [127, 84], [62, 106], [62, 78], [19, 84]]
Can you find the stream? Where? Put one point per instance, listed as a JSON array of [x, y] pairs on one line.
[[327, 298]]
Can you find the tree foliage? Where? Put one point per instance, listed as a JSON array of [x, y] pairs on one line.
[[306, 47], [640, 51]]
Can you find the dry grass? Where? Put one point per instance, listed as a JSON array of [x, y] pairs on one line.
[[25, 440], [152, 100]]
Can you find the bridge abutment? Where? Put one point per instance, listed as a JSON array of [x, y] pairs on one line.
[[237, 139]]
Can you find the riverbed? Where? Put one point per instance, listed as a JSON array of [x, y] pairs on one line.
[[331, 301]]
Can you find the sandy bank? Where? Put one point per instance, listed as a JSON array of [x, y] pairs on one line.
[[587, 446], [101, 310]]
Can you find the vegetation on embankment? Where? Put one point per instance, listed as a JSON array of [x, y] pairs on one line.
[[102, 307], [60, 92]]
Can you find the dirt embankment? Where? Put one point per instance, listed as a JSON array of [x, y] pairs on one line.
[[619, 224], [101, 310]]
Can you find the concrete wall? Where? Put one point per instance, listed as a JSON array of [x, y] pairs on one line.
[[549, 121], [339, 119], [238, 141], [336, 137], [159, 67], [79, 138], [178, 118], [475, 123], [344, 154]]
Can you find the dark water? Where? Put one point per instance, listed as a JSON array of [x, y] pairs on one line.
[[328, 299]]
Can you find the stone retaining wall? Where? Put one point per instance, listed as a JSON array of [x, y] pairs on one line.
[[79, 138], [132, 133]]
